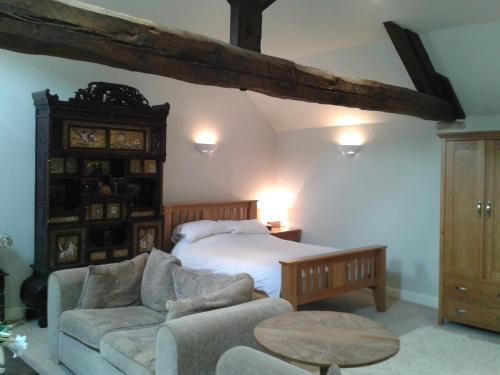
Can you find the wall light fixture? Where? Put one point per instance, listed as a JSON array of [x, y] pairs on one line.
[[206, 143], [350, 143], [349, 150], [206, 148]]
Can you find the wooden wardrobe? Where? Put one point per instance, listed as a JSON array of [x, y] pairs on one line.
[[470, 229]]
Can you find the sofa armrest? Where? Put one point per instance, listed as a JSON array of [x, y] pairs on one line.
[[246, 361], [192, 345], [64, 291]]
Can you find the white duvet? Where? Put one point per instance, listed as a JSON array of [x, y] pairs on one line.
[[256, 254]]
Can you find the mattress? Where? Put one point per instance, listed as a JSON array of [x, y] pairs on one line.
[[255, 254]]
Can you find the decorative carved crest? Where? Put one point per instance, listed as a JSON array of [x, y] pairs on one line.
[[110, 93]]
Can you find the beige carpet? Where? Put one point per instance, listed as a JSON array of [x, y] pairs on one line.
[[436, 351]]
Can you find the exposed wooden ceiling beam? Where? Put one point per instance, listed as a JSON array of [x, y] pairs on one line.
[[417, 62], [246, 24], [79, 31]]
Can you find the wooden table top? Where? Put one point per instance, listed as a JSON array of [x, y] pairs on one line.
[[323, 338]]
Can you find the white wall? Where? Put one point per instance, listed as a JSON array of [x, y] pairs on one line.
[[242, 166], [388, 194]]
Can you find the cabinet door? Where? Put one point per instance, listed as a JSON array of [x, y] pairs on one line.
[[464, 208], [491, 263]]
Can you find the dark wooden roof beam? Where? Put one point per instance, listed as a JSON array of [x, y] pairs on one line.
[[417, 62], [84, 32], [246, 22]]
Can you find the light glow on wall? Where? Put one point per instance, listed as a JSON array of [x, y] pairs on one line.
[[351, 138], [206, 137], [274, 204], [349, 120]]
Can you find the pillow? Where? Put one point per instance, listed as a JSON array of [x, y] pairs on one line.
[[239, 292], [190, 283], [157, 286], [196, 230], [245, 226], [113, 285]]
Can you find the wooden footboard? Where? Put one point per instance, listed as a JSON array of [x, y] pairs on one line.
[[316, 278]]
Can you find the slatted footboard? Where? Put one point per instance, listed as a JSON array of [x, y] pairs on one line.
[[316, 278]]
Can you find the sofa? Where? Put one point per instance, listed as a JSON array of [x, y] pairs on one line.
[[136, 340], [246, 361]]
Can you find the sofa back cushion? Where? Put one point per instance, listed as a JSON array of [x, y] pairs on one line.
[[113, 285], [157, 286], [198, 291]]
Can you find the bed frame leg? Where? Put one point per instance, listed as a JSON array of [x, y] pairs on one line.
[[379, 290], [289, 283], [379, 295]]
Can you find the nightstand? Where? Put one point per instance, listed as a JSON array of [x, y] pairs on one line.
[[289, 234]]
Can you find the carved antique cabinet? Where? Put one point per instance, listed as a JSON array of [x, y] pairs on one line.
[[99, 174], [470, 229]]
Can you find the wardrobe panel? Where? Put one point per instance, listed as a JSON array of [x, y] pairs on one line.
[[464, 208]]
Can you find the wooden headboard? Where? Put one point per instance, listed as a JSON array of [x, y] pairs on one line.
[[180, 213]]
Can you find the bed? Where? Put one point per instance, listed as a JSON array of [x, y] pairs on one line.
[[279, 267]]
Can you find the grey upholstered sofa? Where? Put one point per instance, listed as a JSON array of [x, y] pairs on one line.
[[136, 340], [246, 361]]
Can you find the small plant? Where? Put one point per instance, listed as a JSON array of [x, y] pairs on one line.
[[17, 345]]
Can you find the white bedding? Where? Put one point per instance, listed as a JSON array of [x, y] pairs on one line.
[[256, 254]]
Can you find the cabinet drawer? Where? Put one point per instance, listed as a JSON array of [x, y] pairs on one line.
[[472, 290], [473, 314]]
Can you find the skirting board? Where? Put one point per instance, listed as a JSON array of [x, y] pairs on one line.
[[408, 296]]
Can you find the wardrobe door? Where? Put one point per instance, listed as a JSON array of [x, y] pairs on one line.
[[464, 208], [491, 263]]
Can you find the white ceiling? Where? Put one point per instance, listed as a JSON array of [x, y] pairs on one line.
[[293, 28], [347, 37]]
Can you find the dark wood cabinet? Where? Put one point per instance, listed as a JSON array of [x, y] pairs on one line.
[[99, 175]]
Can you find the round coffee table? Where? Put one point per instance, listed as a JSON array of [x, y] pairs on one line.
[[323, 338]]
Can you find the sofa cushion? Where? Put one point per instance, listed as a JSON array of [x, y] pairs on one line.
[[239, 292], [132, 351], [89, 325], [157, 286], [113, 285], [194, 283]]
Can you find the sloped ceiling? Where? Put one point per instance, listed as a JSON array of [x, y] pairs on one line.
[[347, 37]]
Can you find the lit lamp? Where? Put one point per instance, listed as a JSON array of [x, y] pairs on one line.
[[350, 144], [206, 143], [349, 150], [274, 205]]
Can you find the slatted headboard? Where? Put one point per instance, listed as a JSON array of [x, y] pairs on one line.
[[180, 213]]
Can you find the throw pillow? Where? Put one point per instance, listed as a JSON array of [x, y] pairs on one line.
[[157, 285], [196, 230], [113, 285], [240, 291], [191, 283], [245, 226]]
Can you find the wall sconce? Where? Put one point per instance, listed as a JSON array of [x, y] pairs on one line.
[[349, 150], [206, 143], [350, 143], [206, 148]]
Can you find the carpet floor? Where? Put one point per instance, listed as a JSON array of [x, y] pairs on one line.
[[433, 351], [426, 348]]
